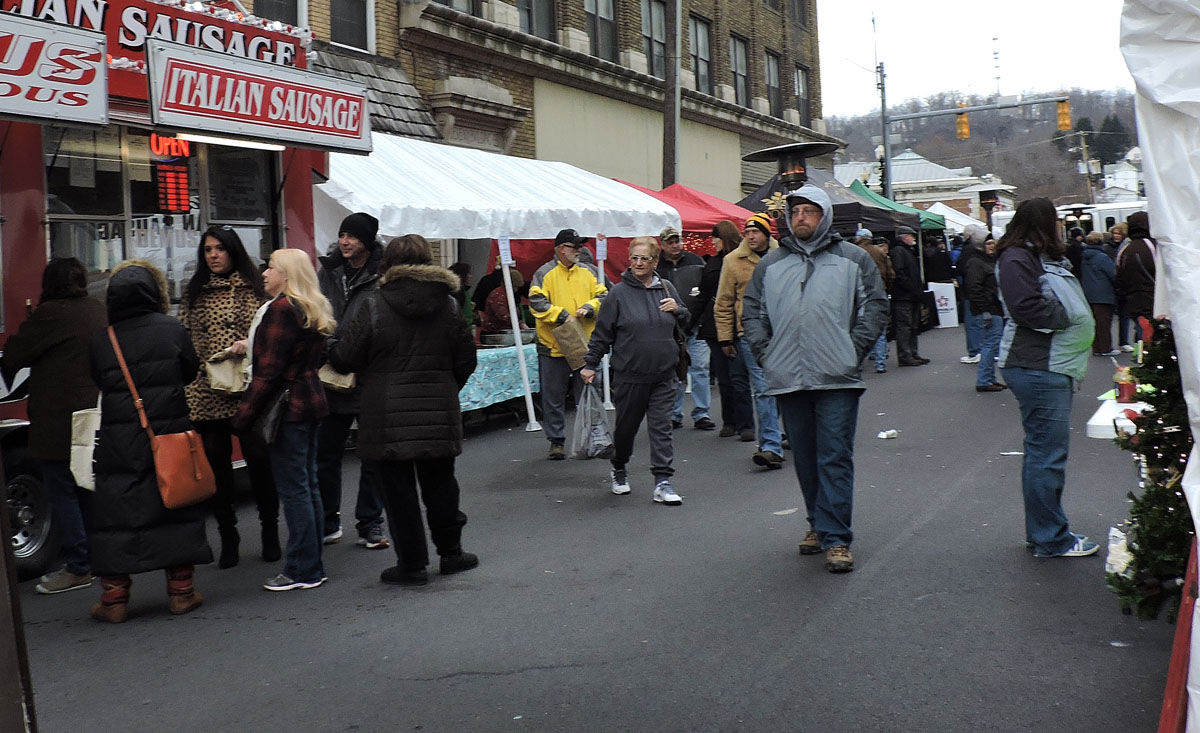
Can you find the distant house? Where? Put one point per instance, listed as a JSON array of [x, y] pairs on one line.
[[1125, 174], [919, 182]]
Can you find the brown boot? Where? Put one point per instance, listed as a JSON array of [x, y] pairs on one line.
[[114, 599], [180, 591]]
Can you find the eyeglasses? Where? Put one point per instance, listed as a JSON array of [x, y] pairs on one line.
[[806, 211], [641, 258], [571, 246]]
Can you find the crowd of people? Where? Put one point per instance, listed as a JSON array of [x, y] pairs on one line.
[[782, 317]]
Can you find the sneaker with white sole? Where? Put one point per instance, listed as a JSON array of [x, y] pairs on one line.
[[620, 483], [1127, 348], [63, 580], [374, 539], [664, 493], [1082, 548], [282, 582], [333, 537], [969, 359]]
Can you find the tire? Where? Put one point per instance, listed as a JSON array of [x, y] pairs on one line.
[[34, 539]]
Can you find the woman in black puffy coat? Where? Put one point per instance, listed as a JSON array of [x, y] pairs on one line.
[[130, 529], [412, 352]]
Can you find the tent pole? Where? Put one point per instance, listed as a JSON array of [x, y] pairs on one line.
[[601, 255], [533, 425]]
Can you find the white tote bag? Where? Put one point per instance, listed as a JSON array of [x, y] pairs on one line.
[[85, 424]]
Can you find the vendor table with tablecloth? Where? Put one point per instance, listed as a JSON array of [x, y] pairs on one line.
[[497, 377]]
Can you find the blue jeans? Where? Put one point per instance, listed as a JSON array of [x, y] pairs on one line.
[[879, 352], [1045, 401], [331, 447], [698, 371], [734, 386], [989, 327], [821, 424], [769, 437], [68, 506], [294, 466], [971, 329]]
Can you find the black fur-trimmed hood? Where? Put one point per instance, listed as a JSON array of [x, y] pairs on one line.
[[418, 291]]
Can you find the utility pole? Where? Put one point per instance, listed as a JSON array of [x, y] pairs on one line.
[[670, 169], [885, 174], [1087, 165]]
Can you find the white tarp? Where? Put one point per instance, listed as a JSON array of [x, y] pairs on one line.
[[1161, 43], [441, 191], [956, 221]]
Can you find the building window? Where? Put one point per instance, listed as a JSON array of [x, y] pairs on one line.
[[699, 39], [351, 23], [291, 12], [799, 11], [537, 18], [654, 36], [801, 81], [774, 93], [774, 4], [738, 54], [470, 7], [602, 28]]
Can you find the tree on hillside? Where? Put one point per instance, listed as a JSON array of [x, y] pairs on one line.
[[1113, 141]]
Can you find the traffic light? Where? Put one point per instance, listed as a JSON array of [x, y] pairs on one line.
[[1064, 115], [962, 126]]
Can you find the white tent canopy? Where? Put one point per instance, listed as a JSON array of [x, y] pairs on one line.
[[956, 221], [440, 191]]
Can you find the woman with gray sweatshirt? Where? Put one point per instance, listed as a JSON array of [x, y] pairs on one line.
[[637, 323]]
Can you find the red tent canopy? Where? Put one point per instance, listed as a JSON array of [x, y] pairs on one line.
[[699, 212]]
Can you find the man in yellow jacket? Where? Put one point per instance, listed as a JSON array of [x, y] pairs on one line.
[[562, 290]]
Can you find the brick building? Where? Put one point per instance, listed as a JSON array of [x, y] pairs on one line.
[[581, 81]]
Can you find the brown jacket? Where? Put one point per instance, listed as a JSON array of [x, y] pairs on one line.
[[736, 270], [883, 262], [220, 316]]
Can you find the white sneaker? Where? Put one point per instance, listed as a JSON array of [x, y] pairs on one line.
[[1127, 348], [664, 493], [969, 359], [333, 537], [620, 484]]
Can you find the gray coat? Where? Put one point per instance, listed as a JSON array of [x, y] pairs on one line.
[[641, 336], [813, 309]]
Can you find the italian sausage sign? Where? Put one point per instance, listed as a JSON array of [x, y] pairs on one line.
[[193, 89]]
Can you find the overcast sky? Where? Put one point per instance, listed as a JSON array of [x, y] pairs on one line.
[[946, 45]]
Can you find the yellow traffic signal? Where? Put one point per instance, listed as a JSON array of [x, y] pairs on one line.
[[962, 126], [1064, 115]]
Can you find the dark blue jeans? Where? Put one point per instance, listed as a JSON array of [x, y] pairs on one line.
[[1045, 401], [733, 382], [331, 447], [69, 505], [989, 330], [820, 425], [294, 465]]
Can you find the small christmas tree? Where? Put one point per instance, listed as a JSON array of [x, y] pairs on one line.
[[1160, 528]]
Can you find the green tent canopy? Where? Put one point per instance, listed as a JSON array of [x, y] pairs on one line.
[[928, 220]]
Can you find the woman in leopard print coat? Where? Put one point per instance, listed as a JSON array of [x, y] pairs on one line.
[[217, 310]]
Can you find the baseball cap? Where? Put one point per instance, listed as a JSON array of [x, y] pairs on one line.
[[904, 230], [569, 236], [863, 232], [667, 233]]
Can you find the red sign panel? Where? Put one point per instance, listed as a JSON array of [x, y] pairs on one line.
[[130, 24]]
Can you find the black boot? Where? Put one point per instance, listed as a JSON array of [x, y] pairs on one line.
[[229, 547], [270, 542]]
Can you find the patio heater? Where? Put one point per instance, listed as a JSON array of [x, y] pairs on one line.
[[791, 161]]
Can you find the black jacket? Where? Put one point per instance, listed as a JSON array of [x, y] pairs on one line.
[[412, 352], [641, 336], [702, 316], [907, 286], [346, 299], [129, 528], [980, 284]]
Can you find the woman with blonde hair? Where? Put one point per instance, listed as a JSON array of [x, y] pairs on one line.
[[287, 347]]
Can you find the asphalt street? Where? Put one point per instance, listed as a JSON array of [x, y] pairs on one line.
[[599, 612]]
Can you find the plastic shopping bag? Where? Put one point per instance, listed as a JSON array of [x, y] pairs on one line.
[[591, 436]]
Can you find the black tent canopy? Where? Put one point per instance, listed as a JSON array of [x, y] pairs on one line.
[[850, 211]]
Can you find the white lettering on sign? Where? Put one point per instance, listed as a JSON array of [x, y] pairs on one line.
[[51, 72]]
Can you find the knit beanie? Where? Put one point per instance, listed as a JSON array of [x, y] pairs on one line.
[[760, 221], [363, 227]]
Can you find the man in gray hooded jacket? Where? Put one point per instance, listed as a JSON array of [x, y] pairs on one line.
[[813, 309]]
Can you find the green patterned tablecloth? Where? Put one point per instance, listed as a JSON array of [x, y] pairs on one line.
[[498, 377]]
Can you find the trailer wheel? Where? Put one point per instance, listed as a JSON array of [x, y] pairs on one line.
[[34, 540]]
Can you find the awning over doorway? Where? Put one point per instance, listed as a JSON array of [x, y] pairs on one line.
[[440, 191]]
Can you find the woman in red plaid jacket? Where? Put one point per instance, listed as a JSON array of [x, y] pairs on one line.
[[286, 352]]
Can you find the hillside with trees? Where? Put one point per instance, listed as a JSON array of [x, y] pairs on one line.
[[1022, 145]]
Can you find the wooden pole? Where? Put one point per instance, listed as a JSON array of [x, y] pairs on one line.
[[671, 98]]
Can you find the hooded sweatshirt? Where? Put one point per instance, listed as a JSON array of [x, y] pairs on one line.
[[641, 336], [814, 307]]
